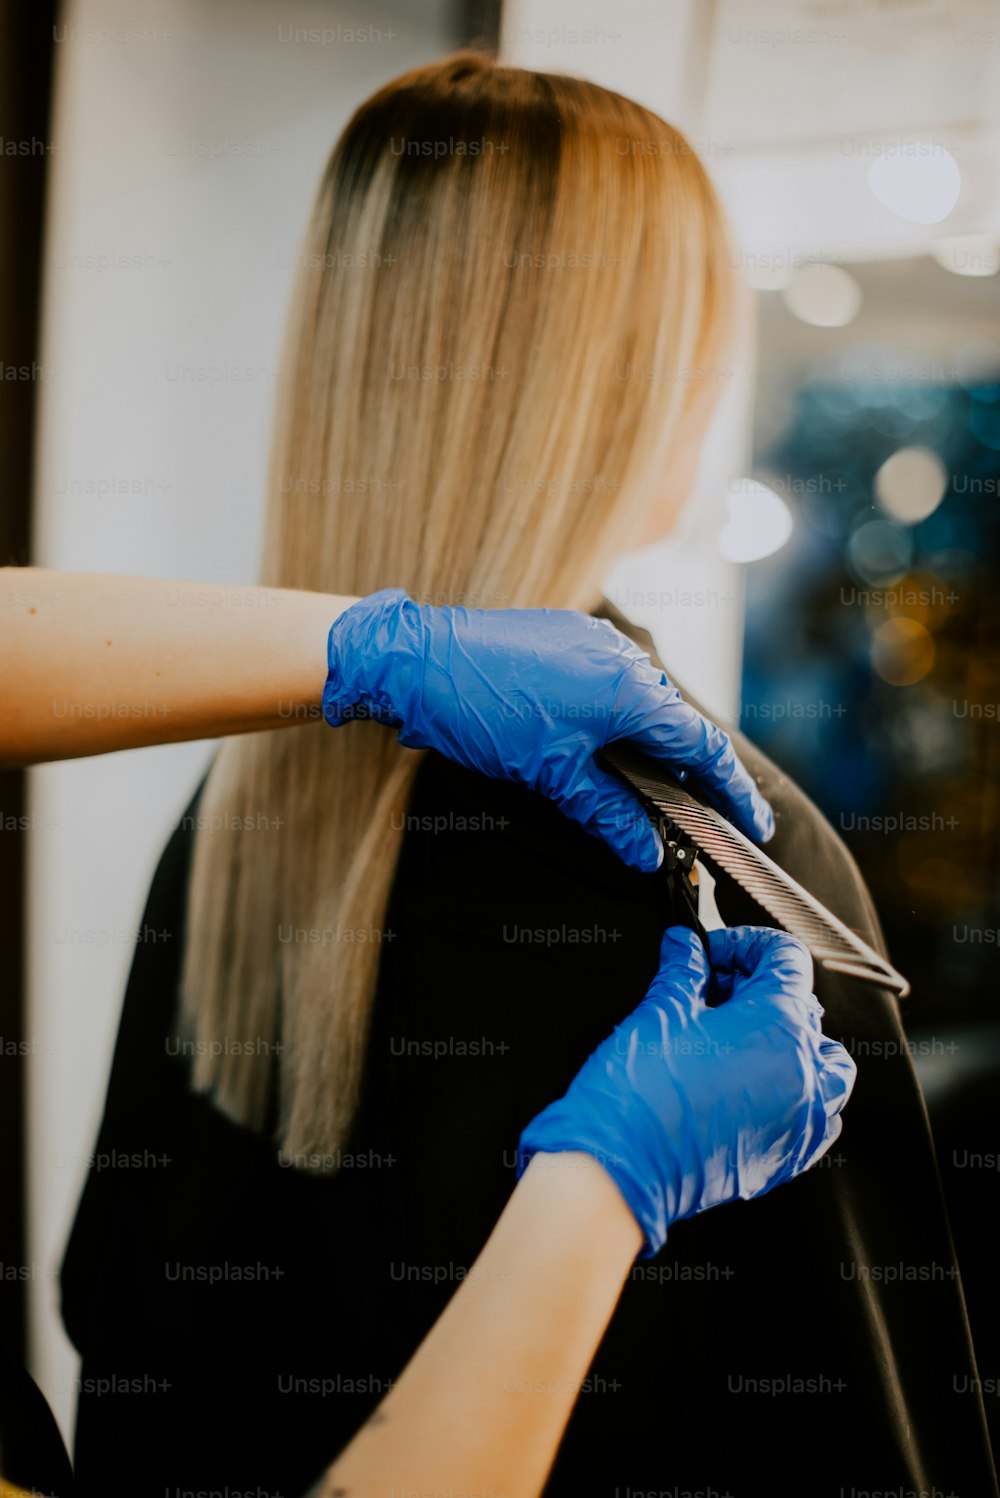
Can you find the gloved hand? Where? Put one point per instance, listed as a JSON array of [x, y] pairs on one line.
[[688, 1106], [530, 696]]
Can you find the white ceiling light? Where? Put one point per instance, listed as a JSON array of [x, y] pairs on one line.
[[759, 522], [918, 181], [824, 296], [968, 254], [911, 484]]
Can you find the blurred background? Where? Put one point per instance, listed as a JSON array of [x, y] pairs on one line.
[[834, 587]]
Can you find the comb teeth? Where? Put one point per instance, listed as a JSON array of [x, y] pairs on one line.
[[832, 944]]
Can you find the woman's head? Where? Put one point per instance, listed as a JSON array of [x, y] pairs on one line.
[[513, 285], [514, 292]]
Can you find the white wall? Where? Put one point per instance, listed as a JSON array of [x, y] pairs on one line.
[[194, 143]]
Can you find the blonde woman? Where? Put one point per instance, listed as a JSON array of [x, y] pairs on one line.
[[381, 966]]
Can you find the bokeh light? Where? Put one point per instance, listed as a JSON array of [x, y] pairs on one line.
[[825, 296], [880, 552], [968, 254], [902, 652], [918, 181], [911, 484], [919, 595], [759, 522]]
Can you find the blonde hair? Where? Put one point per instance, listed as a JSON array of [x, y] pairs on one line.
[[511, 287]]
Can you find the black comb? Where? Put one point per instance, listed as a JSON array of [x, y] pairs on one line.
[[832, 944]]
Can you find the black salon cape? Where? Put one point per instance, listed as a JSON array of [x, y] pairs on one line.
[[811, 1343], [32, 1455]]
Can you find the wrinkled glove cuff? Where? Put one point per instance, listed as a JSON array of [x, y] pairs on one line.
[[558, 1129], [358, 660]]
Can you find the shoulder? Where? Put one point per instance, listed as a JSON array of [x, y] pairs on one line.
[[804, 842]]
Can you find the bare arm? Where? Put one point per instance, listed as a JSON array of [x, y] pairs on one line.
[[484, 1401], [92, 662]]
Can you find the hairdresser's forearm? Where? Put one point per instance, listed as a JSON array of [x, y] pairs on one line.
[[483, 1403], [91, 663]]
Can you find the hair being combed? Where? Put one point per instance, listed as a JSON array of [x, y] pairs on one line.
[[511, 285]]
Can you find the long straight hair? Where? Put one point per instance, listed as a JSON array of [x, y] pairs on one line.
[[513, 285]]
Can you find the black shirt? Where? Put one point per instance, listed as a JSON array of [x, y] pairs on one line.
[[811, 1342]]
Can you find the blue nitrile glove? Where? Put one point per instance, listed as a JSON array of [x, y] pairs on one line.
[[688, 1106], [530, 695]]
